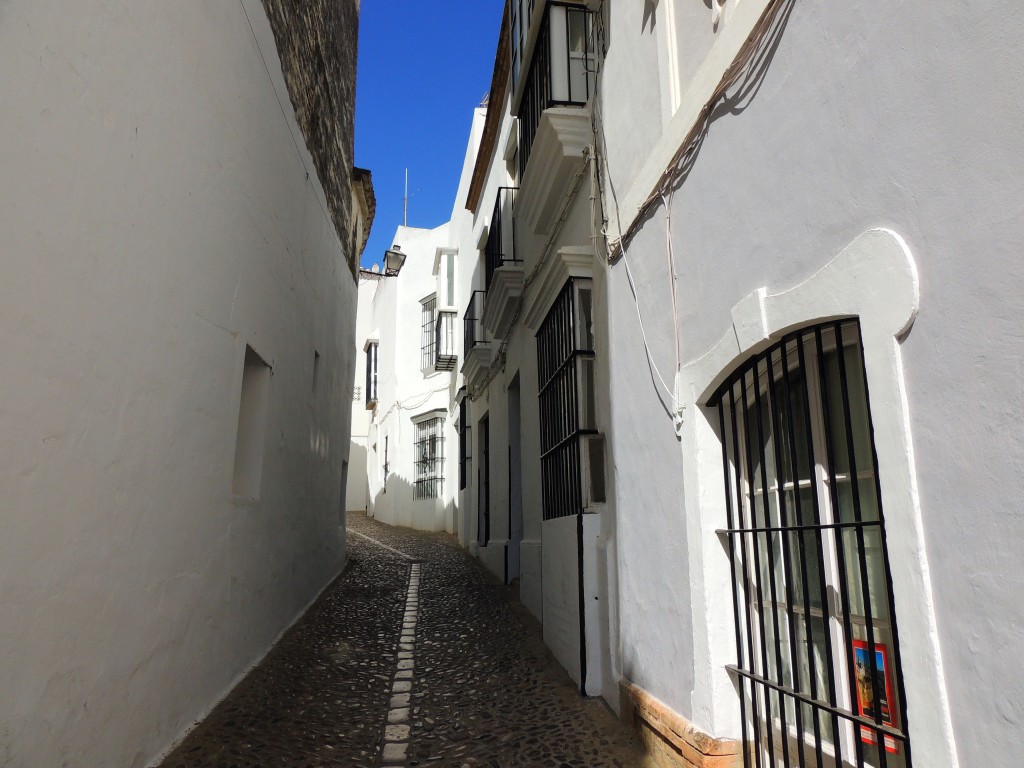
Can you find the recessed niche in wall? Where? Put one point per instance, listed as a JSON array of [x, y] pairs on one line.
[[252, 426]]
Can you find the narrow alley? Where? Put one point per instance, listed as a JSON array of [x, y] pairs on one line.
[[412, 657]]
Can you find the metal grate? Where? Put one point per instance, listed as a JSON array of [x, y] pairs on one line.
[[472, 321], [428, 348], [371, 374], [561, 70], [465, 435], [501, 244], [521, 14], [564, 355], [428, 457], [483, 502], [445, 355], [818, 661]]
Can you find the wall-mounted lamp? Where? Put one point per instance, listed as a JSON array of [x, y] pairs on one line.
[[393, 261]]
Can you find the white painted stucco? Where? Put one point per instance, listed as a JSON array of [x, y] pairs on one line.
[[406, 391], [868, 166], [907, 122], [158, 213]]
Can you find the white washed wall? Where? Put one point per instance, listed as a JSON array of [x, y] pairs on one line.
[[155, 217], [905, 117]]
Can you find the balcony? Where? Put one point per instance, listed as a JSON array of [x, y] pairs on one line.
[[561, 71], [446, 354], [504, 270], [477, 358], [501, 241]]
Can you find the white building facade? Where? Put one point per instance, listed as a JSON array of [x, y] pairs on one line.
[[408, 361], [739, 394], [177, 314]]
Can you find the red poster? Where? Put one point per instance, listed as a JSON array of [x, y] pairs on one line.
[[865, 691]]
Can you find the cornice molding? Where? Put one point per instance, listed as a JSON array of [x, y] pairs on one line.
[[505, 289], [557, 153], [566, 263]]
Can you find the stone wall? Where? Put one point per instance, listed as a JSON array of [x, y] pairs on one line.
[[317, 43]]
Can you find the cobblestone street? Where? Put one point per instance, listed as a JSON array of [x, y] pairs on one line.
[[413, 657]]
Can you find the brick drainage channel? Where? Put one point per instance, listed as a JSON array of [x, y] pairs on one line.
[[413, 657]]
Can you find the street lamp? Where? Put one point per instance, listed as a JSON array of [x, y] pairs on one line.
[[393, 261]]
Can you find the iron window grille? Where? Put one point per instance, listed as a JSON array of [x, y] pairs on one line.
[[445, 354], [483, 489], [561, 72], [501, 243], [473, 327], [521, 12], [818, 658], [371, 375], [428, 341], [465, 435], [428, 453], [565, 364]]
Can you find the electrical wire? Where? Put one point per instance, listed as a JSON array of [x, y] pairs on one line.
[[678, 167], [403, 406]]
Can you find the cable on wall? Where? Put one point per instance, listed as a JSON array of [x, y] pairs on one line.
[[404, 406], [682, 161]]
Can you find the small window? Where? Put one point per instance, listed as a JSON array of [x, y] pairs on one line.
[[450, 274], [428, 457], [465, 441], [252, 425], [428, 349], [818, 658], [316, 370], [371, 374], [483, 490]]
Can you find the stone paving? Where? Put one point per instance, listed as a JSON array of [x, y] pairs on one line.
[[413, 657]]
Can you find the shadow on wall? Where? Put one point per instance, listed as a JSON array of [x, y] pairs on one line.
[[356, 491], [397, 505], [392, 505]]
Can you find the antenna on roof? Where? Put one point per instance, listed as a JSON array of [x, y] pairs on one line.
[[405, 201]]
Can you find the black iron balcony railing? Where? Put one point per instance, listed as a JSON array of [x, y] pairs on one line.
[[501, 241], [473, 330], [519, 29], [561, 72], [444, 341]]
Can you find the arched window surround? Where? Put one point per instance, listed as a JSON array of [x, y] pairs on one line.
[[875, 280]]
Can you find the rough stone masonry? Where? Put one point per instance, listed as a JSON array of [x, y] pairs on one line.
[[317, 43]]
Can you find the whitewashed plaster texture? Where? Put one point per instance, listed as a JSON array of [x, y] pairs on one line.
[[908, 123], [156, 216], [404, 390], [358, 464]]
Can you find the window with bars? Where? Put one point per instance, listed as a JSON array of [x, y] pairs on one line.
[[428, 348], [371, 374], [428, 458], [565, 365], [561, 71], [483, 485], [465, 437], [818, 652]]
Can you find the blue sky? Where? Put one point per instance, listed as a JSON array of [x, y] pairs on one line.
[[423, 68]]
